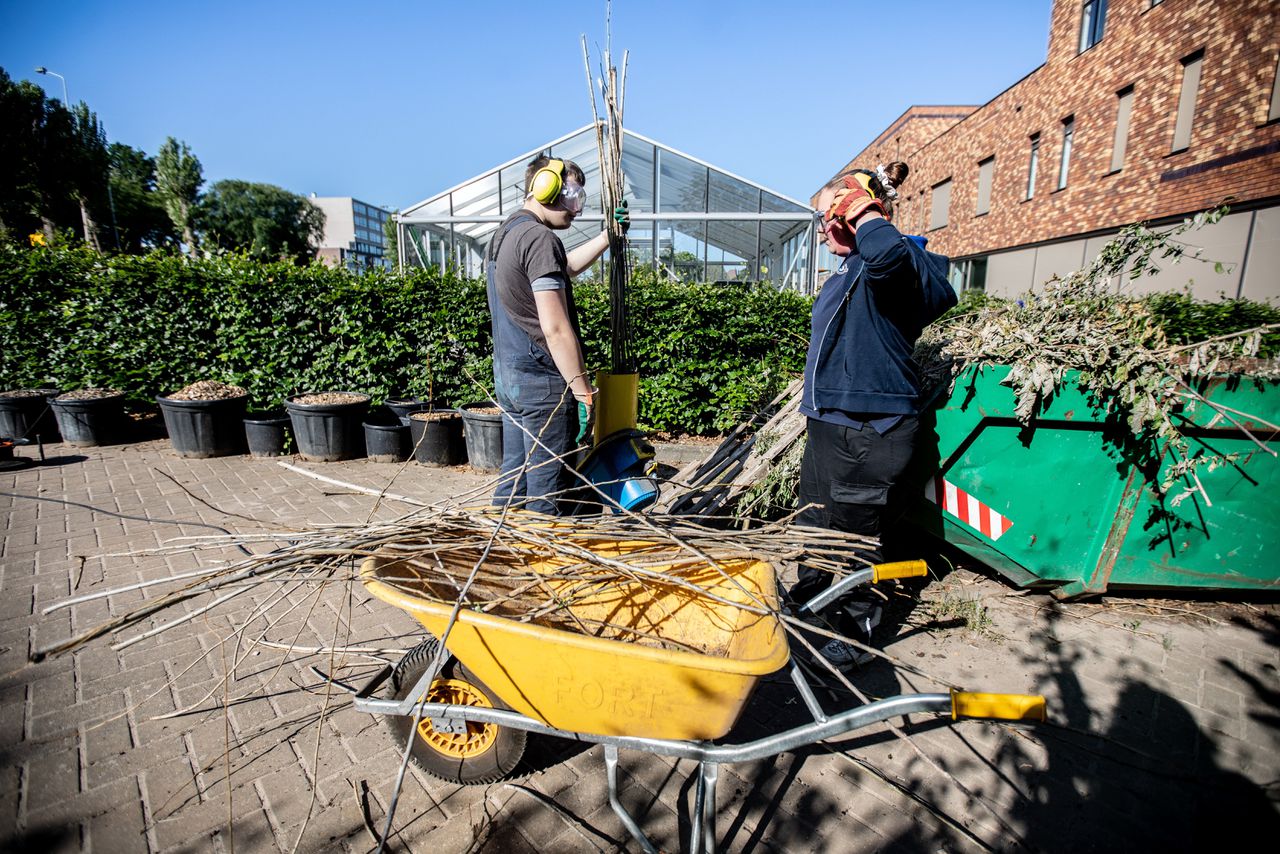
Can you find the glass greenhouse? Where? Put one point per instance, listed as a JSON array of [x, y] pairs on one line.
[[690, 220]]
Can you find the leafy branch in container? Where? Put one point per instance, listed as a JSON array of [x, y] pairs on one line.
[[1082, 328]]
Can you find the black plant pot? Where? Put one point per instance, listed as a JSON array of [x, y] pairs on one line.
[[483, 434], [29, 416], [91, 421], [386, 442], [267, 433], [403, 407], [438, 442], [205, 428], [330, 431]]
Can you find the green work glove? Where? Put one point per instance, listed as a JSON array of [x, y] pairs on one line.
[[586, 421], [622, 217]]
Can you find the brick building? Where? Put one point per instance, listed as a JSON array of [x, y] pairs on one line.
[[1142, 110]]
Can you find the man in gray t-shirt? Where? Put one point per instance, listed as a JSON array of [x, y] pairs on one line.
[[538, 366], [532, 260]]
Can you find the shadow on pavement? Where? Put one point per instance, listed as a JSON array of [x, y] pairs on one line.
[[1131, 768], [544, 751], [29, 459], [1144, 777], [760, 801], [44, 838]]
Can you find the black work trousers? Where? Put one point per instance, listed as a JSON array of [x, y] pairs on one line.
[[849, 473]]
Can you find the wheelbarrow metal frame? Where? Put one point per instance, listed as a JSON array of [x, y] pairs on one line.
[[709, 755]]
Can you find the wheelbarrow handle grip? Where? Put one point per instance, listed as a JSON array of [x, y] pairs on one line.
[[1000, 707], [899, 569], [879, 572]]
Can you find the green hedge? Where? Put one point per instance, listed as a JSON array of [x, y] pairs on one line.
[[152, 324], [709, 354], [1186, 320]]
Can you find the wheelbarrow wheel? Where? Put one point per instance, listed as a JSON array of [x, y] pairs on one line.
[[485, 753]]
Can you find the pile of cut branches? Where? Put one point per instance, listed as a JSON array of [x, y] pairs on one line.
[[517, 565]]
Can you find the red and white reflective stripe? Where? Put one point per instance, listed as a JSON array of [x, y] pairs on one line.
[[954, 500]]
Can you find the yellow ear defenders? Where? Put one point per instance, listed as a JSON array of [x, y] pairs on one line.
[[547, 182]]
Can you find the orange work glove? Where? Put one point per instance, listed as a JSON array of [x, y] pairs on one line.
[[854, 200]]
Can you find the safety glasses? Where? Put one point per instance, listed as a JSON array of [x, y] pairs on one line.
[[572, 197]]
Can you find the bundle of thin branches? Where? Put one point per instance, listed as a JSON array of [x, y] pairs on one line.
[[436, 545], [525, 566], [612, 89]]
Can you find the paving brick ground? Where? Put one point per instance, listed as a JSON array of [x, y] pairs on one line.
[[1166, 714]]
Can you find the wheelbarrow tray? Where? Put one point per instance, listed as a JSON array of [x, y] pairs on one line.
[[687, 674]]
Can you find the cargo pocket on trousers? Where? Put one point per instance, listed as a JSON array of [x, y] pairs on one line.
[[859, 493]]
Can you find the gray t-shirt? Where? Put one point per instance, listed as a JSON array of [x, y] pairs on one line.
[[531, 253]]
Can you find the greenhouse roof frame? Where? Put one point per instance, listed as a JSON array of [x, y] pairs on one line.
[[685, 212], [533, 152]]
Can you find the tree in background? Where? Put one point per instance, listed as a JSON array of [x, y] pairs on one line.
[[391, 239], [682, 266], [56, 205], [22, 110], [58, 174], [178, 179], [53, 163], [261, 219], [88, 169], [140, 218]]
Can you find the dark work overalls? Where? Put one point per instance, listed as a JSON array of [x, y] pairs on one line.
[[540, 414]]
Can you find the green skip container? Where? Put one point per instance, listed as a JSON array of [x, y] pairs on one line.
[[1056, 504]]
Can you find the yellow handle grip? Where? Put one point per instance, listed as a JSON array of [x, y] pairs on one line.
[[1000, 707], [899, 569]]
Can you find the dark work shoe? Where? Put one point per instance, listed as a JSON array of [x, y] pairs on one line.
[[842, 655], [862, 628]]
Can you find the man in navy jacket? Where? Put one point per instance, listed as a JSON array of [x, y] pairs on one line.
[[861, 386]]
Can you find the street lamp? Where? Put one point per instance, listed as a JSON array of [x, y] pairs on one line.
[[65, 100]]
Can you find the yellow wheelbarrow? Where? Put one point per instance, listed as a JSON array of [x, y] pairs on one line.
[[671, 675]]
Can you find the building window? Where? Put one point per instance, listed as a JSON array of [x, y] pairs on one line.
[[1275, 97], [1031, 167], [1124, 106], [985, 170], [1093, 17], [1064, 165], [941, 200], [1187, 100], [977, 275], [969, 275]]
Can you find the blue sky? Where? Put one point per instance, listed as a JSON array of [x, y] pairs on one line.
[[393, 101]]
